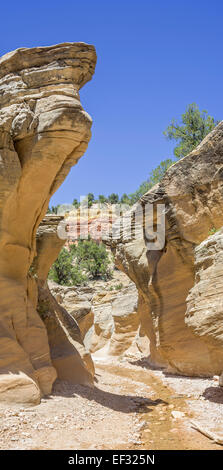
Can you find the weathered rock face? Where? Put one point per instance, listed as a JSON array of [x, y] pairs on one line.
[[67, 351], [108, 317], [126, 321], [43, 132], [103, 322], [116, 322], [192, 191], [77, 301], [94, 220], [204, 313], [116, 330]]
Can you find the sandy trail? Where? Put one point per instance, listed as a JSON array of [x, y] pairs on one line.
[[130, 408]]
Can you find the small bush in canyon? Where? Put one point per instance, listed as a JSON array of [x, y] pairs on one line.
[[64, 272], [84, 261], [92, 258]]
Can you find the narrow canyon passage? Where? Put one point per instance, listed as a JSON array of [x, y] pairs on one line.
[[130, 407]]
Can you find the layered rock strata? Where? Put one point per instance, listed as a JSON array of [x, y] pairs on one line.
[[126, 321], [192, 195], [204, 313], [116, 322], [69, 357], [43, 132], [77, 301], [107, 314]]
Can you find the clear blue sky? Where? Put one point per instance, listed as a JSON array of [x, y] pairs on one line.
[[154, 58]]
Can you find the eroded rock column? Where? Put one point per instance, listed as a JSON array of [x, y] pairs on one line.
[[43, 132], [68, 354]]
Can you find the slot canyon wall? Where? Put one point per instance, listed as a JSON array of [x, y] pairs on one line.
[[179, 285], [43, 133], [204, 312], [68, 354], [177, 305]]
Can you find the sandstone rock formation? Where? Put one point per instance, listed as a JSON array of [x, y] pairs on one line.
[[205, 300], [107, 316], [77, 301], [116, 322], [192, 192], [94, 220], [67, 351], [43, 132], [126, 320], [103, 322]]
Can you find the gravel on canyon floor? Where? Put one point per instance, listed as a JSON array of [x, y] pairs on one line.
[[130, 407]]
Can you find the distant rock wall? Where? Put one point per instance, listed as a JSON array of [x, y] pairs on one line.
[[43, 133], [108, 318]]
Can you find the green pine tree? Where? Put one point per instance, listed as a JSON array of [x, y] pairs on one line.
[[192, 129]]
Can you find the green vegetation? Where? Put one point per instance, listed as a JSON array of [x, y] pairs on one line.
[[113, 198], [76, 203], [89, 260], [143, 188], [213, 230], [92, 258], [64, 272], [192, 129], [86, 260], [90, 199], [159, 172], [53, 209], [116, 287], [102, 199], [188, 133], [119, 286]]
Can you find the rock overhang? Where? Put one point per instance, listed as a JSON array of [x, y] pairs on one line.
[[69, 55]]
